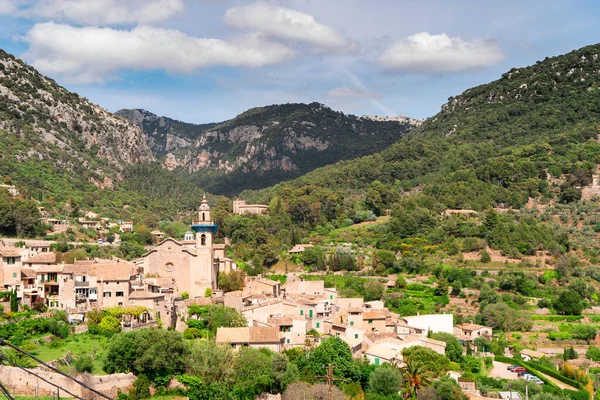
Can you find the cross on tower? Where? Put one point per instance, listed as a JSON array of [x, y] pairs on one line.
[[330, 380]]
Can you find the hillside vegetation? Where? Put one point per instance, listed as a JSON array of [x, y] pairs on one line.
[[495, 144]]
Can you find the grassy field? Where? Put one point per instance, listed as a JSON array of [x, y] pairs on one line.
[[79, 344]]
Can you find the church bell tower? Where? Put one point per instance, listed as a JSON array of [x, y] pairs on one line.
[[204, 274]]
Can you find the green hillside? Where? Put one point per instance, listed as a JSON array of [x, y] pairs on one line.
[[495, 144]]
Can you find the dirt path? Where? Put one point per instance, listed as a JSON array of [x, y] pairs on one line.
[[557, 382]]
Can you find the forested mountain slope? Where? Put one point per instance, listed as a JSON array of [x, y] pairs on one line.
[[265, 145], [495, 144]]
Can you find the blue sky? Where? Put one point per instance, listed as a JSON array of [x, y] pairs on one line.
[[209, 60]]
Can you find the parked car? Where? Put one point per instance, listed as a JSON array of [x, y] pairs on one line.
[[519, 369], [511, 367]]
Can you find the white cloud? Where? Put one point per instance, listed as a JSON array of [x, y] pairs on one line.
[[424, 52], [91, 54], [95, 12], [346, 92], [287, 24], [6, 7]]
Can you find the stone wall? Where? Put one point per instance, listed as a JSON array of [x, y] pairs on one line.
[[20, 383]]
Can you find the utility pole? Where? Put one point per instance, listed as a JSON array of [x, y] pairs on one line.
[[330, 380]]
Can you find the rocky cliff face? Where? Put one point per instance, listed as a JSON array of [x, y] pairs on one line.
[[264, 145], [72, 128], [164, 134]]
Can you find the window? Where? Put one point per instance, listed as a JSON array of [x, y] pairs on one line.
[[370, 321], [330, 297], [301, 312], [351, 323], [318, 324], [287, 341], [119, 294], [120, 303], [203, 239], [356, 336], [10, 260], [310, 313], [14, 274], [376, 361], [107, 294]]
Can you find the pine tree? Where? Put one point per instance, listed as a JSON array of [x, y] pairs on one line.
[[14, 305]]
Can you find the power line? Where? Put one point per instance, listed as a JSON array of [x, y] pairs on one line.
[[6, 392], [4, 342], [39, 377]]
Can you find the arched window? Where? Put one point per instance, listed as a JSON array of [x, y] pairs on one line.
[[203, 239], [203, 217]]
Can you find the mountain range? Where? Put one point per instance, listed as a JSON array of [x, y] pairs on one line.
[[490, 145], [264, 145]]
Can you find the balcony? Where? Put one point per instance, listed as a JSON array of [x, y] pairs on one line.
[[82, 284]]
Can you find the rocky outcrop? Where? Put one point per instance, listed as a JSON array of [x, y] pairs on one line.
[[33, 103]]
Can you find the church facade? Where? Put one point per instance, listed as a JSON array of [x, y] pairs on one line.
[[191, 265]]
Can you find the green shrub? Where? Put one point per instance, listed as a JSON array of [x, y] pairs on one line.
[[83, 363], [192, 333]]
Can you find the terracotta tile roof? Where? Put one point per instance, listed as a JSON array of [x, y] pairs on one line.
[[250, 335], [281, 321], [264, 334], [143, 294], [28, 273], [233, 335], [43, 258], [9, 252], [113, 271], [378, 314], [77, 269], [49, 268], [199, 301], [374, 337], [470, 327]]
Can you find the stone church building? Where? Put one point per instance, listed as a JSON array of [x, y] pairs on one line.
[[191, 265]]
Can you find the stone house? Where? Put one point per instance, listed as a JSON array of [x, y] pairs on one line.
[[467, 333], [152, 301], [257, 337], [10, 268], [40, 260], [126, 226], [113, 280], [264, 286], [240, 207], [275, 308], [390, 349], [300, 287], [374, 321]]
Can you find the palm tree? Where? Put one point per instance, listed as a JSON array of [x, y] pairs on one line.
[[415, 377]]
